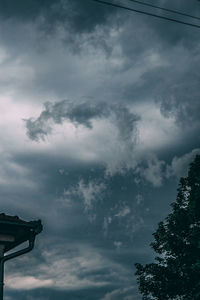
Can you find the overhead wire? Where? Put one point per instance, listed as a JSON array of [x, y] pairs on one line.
[[146, 13], [166, 9]]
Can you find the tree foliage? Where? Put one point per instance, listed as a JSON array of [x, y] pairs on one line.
[[175, 274]]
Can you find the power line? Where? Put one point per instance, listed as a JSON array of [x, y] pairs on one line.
[[166, 9], [146, 13]]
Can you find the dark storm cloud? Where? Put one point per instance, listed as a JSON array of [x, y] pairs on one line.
[[170, 53], [81, 16], [80, 114], [171, 33], [23, 10], [180, 96], [176, 85], [126, 121]]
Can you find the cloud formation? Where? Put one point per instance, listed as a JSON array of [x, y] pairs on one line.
[[68, 267], [129, 293], [79, 16], [90, 194], [98, 176], [179, 165], [108, 132], [78, 114], [81, 114], [154, 172]]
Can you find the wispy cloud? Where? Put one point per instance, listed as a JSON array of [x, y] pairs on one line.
[[89, 193], [128, 293], [69, 268]]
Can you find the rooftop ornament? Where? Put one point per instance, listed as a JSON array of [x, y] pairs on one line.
[[14, 232]]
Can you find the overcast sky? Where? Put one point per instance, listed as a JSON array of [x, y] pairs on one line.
[[99, 119]]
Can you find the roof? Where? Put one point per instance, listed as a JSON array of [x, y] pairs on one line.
[[20, 229]]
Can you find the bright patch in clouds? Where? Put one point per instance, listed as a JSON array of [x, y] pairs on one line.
[[27, 282], [155, 131]]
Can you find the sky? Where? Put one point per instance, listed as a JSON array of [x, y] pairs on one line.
[[99, 120]]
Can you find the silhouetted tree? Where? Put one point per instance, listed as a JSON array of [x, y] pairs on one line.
[[175, 274]]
